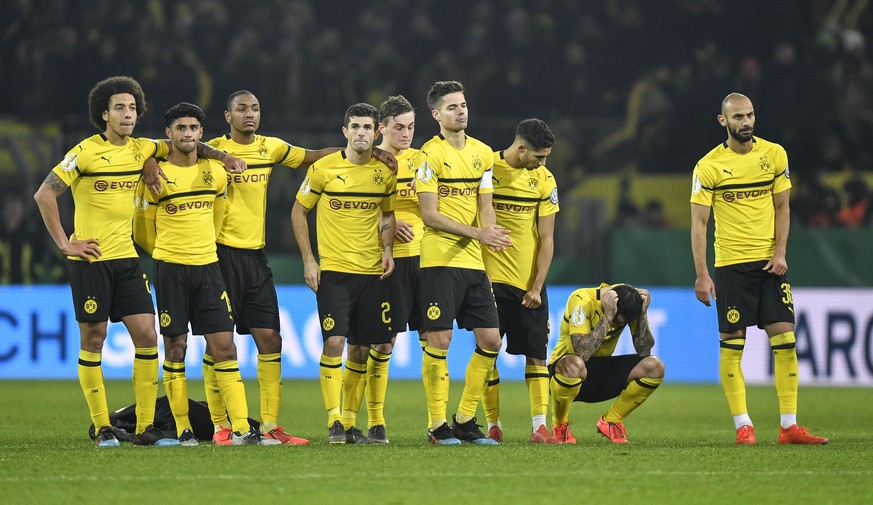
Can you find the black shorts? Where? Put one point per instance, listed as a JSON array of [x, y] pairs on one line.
[[191, 293], [249, 282], [403, 294], [526, 330], [456, 294], [110, 289], [748, 296], [607, 377], [354, 306]]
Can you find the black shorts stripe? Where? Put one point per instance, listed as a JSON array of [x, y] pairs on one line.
[[88, 363], [145, 356]]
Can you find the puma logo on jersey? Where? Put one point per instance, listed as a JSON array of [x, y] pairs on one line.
[[105, 158], [341, 178], [729, 172]]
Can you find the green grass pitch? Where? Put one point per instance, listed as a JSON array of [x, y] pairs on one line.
[[681, 451]]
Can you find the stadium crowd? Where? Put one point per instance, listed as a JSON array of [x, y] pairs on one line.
[[624, 83]]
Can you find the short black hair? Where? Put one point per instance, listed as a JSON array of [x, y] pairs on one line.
[[98, 98], [441, 89], [535, 133], [394, 106], [233, 95], [361, 110], [184, 109], [630, 303]]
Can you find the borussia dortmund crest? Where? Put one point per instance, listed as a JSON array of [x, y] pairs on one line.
[[378, 178], [262, 152], [477, 163], [137, 156], [207, 178], [532, 183], [765, 165]]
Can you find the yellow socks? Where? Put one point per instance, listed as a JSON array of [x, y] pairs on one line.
[[636, 392], [731, 373], [537, 379], [785, 371], [217, 412], [564, 391], [91, 381], [331, 378], [145, 385], [377, 387], [270, 383], [491, 397], [435, 375], [480, 366], [233, 392], [354, 379], [176, 386]]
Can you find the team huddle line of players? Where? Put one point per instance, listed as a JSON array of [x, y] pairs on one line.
[[406, 238]]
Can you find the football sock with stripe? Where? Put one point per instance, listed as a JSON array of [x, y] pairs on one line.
[[480, 366], [354, 380], [91, 381], [537, 379], [176, 386], [564, 391], [145, 385], [731, 373], [435, 375], [633, 395], [270, 386], [785, 370], [377, 386], [491, 398], [217, 412], [330, 376], [233, 393]]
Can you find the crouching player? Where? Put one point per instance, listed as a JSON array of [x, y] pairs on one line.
[[583, 368]]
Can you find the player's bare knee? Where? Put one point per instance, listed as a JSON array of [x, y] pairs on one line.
[[358, 353], [268, 341], [175, 348], [333, 346], [489, 339], [653, 367], [571, 365], [222, 347], [383, 348]]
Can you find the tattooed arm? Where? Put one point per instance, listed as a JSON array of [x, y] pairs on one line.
[[47, 200], [232, 164], [585, 345], [641, 332]]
